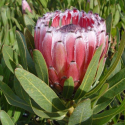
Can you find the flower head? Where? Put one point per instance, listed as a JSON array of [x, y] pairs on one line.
[[68, 41], [25, 6]]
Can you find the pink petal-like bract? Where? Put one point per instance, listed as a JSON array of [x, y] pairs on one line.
[[68, 41], [25, 6]]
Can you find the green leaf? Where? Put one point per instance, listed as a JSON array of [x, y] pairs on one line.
[[100, 69], [101, 92], [20, 91], [30, 62], [82, 114], [104, 78], [120, 123], [29, 23], [41, 67], [108, 24], [98, 108], [89, 76], [10, 58], [43, 2], [96, 9], [116, 85], [91, 4], [1, 78], [117, 17], [17, 114], [68, 88], [39, 91], [22, 50], [118, 38], [4, 16], [29, 39], [28, 20], [117, 68], [12, 99], [16, 22], [104, 117], [53, 115], [5, 119]]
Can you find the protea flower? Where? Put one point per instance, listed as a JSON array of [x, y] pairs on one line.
[[68, 41], [25, 6]]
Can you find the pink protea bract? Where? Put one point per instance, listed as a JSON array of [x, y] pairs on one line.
[[69, 43], [25, 6]]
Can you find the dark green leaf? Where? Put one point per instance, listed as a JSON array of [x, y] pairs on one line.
[[41, 67], [22, 50], [53, 115], [116, 85], [17, 114], [121, 123], [10, 58], [68, 88], [98, 108], [29, 39], [101, 92], [13, 99], [117, 68], [100, 69], [108, 24], [16, 22], [104, 117]]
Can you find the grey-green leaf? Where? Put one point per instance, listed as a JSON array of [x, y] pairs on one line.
[[13, 99], [104, 117], [108, 23], [40, 92], [89, 76], [116, 85], [68, 88], [22, 50], [41, 67], [29, 60], [9, 58], [5, 119], [82, 114], [53, 115]]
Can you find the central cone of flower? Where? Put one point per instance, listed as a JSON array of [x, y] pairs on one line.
[[68, 41]]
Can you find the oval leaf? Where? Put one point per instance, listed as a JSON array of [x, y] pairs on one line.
[[29, 60], [41, 93], [111, 69], [68, 88], [41, 67], [13, 99], [104, 117], [53, 115], [22, 50], [82, 114], [89, 75], [116, 85], [5, 119], [9, 56]]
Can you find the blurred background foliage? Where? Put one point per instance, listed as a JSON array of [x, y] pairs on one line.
[[15, 26]]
